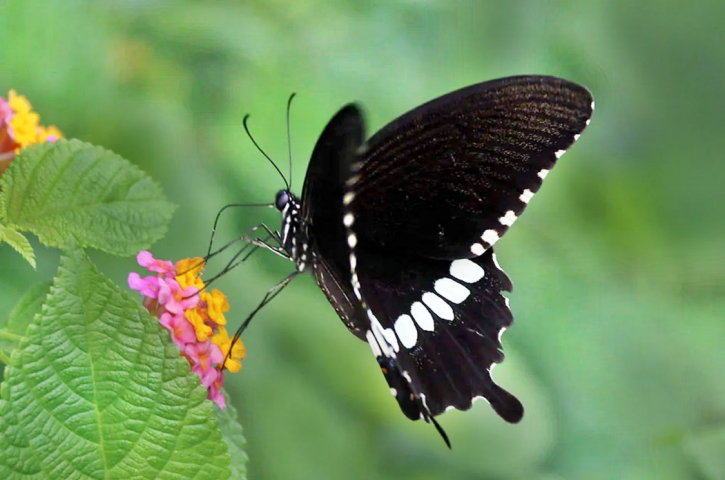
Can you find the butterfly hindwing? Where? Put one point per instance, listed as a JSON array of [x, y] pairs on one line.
[[443, 320], [449, 178]]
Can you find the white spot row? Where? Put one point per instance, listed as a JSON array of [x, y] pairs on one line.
[[446, 288], [477, 249], [490, 236], [526, 196], [508, 219]]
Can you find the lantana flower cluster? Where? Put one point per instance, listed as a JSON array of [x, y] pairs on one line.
[[20, 127], [194, 317]]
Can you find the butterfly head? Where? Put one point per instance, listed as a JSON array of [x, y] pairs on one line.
[[282, 199]]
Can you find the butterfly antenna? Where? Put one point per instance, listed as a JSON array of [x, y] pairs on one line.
[[289, 136], [219, 214], [246, 129]]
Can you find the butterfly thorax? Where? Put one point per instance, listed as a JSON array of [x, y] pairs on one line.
[[293, 236]]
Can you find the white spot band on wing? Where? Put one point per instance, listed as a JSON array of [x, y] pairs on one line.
[[439, 306], [451, 290], [466, 270], [422, 317], [407, 333]]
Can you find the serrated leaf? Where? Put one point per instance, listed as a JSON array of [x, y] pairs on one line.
[[74, 189], [233, 436], [22, 314], [96, 390], [18, 241]]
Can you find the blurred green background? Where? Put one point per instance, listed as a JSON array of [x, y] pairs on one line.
[[618, 350]]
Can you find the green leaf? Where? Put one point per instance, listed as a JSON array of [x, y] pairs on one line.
[[17, 321], [18, 241], [232, 433], [96, 390], [707, 449], [74, 189]]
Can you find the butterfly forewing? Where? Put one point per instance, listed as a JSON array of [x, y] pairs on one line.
[[322, 212], [448, 179]]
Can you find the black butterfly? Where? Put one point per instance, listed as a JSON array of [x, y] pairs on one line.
[[399, 230]]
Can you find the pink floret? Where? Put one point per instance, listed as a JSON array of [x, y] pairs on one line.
[[145, 259]]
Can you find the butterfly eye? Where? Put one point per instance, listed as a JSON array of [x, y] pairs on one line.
[[281, 200]]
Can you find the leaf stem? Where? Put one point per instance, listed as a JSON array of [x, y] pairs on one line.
[[13, 337]]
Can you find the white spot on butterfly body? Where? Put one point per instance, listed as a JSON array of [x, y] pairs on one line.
[[438, 305], [477, 249], [451, 290], [353, 262], [348, 220], [348, 198], [559, 153], [508, 219], [526, 196], [422, 317], [393, 392], [490, 236], [352, 240], [407, 333], [466, 270]]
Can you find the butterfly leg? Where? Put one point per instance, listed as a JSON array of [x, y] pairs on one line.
[[276, 249], [271, 293]]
